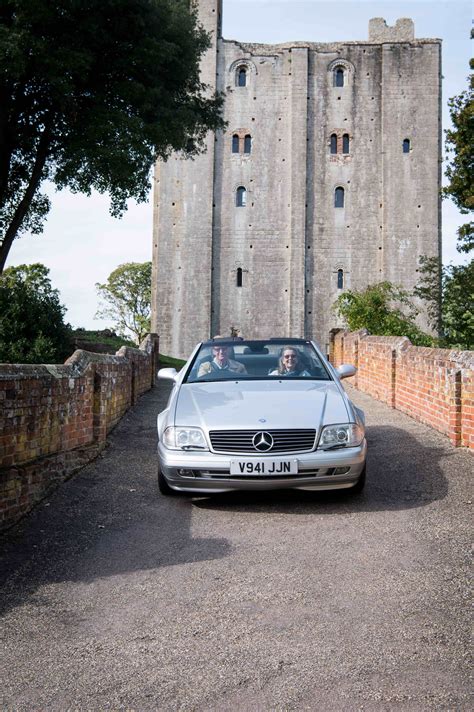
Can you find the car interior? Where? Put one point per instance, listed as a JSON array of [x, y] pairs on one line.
[[259, 361]]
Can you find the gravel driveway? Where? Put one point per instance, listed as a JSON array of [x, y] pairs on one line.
[[115, 598]]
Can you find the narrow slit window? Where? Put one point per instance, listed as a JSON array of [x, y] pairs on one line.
[[239, 276], [406, 145], [235, 143], [248, 144], [241, 197], [333, 143], [241, 77], [339, 197], [345, 143], [338, 77], [340, 279]]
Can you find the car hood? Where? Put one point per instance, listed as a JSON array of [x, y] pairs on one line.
[[260, 404]]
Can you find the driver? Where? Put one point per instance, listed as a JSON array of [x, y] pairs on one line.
[[220, 362]]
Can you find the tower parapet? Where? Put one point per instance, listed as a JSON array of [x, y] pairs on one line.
[[402, 31]]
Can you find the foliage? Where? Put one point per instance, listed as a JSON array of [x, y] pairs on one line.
[[452, 287], [430, 289], [32, 328], [460, 171], [127, 297], [458, 305], [90, 95], [374, 309]]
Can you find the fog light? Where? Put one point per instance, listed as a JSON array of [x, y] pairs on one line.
[[185, 473], [341, 470]]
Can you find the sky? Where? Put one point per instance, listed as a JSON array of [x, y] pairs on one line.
[[82, 244]]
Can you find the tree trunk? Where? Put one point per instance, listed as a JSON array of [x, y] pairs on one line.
[[25, 202]]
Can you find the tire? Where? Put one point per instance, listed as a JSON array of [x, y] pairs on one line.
[[360, 484], [163, 485]]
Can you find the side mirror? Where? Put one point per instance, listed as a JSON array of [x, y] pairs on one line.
[[169, 374], [345, 370]]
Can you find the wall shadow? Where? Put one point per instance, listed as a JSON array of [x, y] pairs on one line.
[[107, 520]]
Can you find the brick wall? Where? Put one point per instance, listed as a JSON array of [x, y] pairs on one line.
[[435, 386], [55, 418]]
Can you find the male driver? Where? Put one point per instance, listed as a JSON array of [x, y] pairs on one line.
[[220, 363]]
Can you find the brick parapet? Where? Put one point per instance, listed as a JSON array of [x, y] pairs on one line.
[[434, 386], [54, 418]]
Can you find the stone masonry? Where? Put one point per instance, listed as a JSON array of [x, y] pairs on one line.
[[363, 117]]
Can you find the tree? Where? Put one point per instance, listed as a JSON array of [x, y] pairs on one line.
[[460, 171], [127, 297], [90, 95], [455, 318], [32, 328], [374, 309], [449, 290]]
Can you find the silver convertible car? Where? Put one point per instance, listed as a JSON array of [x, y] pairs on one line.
[[259, 415]]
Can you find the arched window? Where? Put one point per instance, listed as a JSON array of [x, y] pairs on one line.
[[239, 276], [338, 77], [406, 145], [340, 279], [241, 77], [333, 143], [241, 197], [248, 144], [235, 143], [339, 197], [345, 143]]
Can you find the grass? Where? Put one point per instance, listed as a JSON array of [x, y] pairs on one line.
[[98, 337], [170, 362], [116, 342]]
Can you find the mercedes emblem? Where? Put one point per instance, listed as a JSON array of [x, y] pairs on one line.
[[263, 442]]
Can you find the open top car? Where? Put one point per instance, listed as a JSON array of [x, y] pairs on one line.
[[259, 414]]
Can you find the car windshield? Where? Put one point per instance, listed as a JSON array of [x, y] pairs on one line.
[[235, 360]]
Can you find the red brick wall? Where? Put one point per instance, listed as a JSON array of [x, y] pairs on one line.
[[55, 418], [435, 386]]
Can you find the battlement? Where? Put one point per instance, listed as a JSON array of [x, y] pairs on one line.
[[402, 31]]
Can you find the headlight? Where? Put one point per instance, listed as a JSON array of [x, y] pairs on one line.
[[176, 438], [334, 436]]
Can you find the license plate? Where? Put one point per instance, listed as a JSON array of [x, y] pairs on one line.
[[263, 467]]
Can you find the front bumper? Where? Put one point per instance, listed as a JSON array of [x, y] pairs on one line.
[[207, 472]]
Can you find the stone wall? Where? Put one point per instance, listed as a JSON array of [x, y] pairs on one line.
[[55, 418], [434, 386]]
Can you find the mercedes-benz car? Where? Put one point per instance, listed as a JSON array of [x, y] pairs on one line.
[[259, 415]]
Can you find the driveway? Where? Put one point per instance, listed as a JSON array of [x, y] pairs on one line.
[[115, 598]]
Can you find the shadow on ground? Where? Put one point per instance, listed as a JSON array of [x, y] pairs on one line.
[[110, 520], [402, 473]]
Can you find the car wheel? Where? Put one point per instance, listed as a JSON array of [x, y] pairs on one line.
[[360, 484], [163, 486]]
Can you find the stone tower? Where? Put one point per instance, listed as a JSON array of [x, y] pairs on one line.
[[327, 178]]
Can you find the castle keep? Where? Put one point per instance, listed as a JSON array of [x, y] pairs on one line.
[[327, 178]]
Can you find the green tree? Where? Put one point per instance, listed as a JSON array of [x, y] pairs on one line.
[[449, 290], [460, 150], [127, 297], [32, 328], [455, 319], [90, 95], [375, 309]]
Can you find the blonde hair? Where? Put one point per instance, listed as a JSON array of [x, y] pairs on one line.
[[281, 365]]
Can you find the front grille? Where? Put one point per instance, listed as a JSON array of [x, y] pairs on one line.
[[242, 441]]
